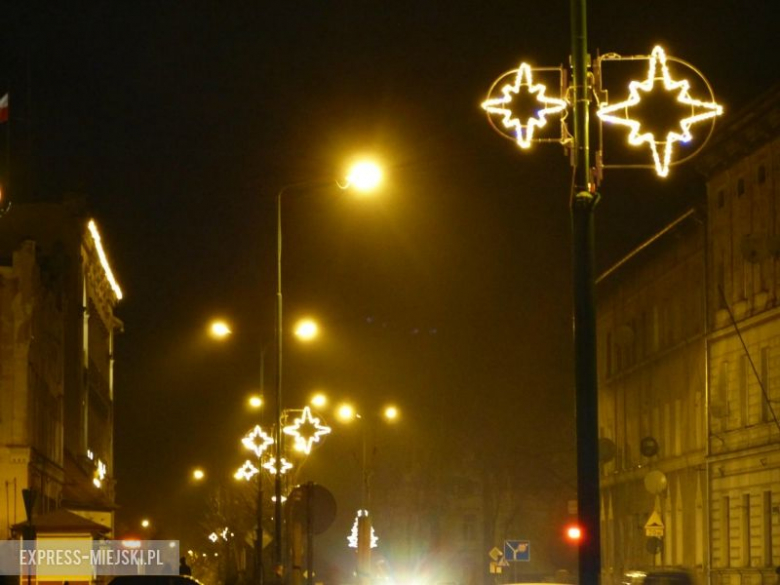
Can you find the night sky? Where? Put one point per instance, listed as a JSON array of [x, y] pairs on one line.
[[448, 292]]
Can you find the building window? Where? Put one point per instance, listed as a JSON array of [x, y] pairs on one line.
[[740, 187], [761, 176], [725, 532], [766, 412], [743, 392], [746, 530], [767, 528]]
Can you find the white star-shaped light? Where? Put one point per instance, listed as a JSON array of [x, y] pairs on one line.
[[270, 465], [257, 441], [246, 471], [307, 429], [636, 137], [524, 129]]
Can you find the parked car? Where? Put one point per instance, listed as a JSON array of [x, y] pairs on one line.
[[659, 576]]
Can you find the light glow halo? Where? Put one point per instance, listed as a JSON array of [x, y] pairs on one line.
[[523, 130], [707, 110]]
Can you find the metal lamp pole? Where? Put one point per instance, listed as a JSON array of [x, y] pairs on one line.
[[278, 434], [369, 178], [364, 521], [278, 567], [583, 203]]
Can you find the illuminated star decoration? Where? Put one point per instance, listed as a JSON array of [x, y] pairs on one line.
[[524, 130], [270, 465], [307, 430], [636, 137], [246, 471], [257, 441], [352, 539]]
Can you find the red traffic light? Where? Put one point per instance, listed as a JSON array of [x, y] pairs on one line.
[[573, 533]]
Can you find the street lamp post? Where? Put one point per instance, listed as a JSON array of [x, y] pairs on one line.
[[584, 198], [364, 176]]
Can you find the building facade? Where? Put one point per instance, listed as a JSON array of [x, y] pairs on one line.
[[689, 375], [743, 294], [652, 403], [57, 328]]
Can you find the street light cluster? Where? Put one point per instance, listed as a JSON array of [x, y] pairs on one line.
[[305, 426]]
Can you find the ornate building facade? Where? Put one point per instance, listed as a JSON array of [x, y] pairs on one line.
[[689, 375], [57, 328]]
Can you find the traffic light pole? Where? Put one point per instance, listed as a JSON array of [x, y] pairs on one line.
[[583, 203]]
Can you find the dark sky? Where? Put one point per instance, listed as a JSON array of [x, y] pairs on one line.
[[448, 293]]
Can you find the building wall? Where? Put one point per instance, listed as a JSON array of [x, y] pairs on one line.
[[31, 412], [691, 357], [652, 393], [744, 354], [56, 358]]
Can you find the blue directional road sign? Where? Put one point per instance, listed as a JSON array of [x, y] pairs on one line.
[[517, 550]]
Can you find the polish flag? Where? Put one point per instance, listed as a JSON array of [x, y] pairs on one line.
[[4, 109]]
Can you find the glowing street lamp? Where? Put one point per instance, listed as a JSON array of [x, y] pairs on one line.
[[306, 329], [255, 401], [346, 413], [319, 400], [219, 329], [362, 177], [391, 413], [198, 474]]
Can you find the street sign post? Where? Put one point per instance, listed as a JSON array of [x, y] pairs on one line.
[[654, 527]]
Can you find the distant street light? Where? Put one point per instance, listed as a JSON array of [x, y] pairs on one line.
[[145, 523], [363, 176], [219, 329], [306, 329], [319, 400], [198, 474]]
